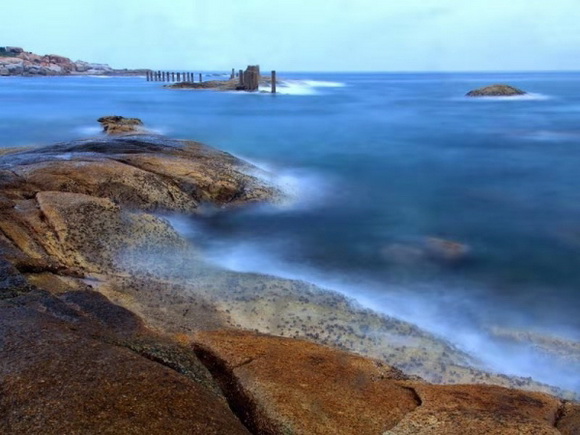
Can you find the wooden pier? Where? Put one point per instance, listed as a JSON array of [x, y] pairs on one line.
[[172, 76], [248, 80]]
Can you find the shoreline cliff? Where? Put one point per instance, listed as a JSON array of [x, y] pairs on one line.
[[14, 61], [111, 321]]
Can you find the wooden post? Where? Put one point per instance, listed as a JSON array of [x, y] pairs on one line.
[[273, 82]]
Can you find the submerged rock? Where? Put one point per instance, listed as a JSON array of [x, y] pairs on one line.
[[429, 249], [496, 91], [120, 125]]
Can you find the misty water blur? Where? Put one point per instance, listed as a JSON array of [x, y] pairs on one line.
[[378, 165]]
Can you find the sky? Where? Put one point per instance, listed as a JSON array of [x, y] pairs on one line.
[[302, 35]]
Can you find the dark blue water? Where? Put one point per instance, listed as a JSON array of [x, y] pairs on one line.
[[379, 164]]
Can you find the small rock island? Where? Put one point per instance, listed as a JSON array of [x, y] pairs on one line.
[[497, 90]]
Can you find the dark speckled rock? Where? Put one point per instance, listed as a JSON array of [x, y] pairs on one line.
[[496, 91]]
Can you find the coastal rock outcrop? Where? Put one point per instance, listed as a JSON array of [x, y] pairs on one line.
[[498, 90], [111, 321], [75, 363], [16, 61], [218, 85], [120, 125]]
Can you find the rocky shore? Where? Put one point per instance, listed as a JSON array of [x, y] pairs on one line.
[[14, 61], [217, 85], [111, 321]]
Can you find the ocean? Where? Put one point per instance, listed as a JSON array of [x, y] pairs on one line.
[[459, 215]]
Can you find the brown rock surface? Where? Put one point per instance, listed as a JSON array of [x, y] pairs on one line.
[[569, 419], [79, 364], [120, 125], [292, 386], [479, 409], [282, 386]]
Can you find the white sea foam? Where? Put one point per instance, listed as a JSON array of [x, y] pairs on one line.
[[302, 87], [431, 306], [525, 97], [89, 130], [550, 136], [96, 131], [302, 188]]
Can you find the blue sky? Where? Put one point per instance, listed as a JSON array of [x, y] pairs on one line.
[[303, 35]]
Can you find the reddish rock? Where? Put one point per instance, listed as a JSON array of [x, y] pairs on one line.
[[293, 386], [68, 370], [281, 385], [479, 409], [569, 419]]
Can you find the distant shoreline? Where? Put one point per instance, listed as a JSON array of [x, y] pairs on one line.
[[14, 61]]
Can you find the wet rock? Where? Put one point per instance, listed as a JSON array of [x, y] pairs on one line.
[[120, 124], [496, 91], [218, 85], [221, 85]]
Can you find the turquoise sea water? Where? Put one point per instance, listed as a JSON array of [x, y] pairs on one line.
[[377, 164]]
